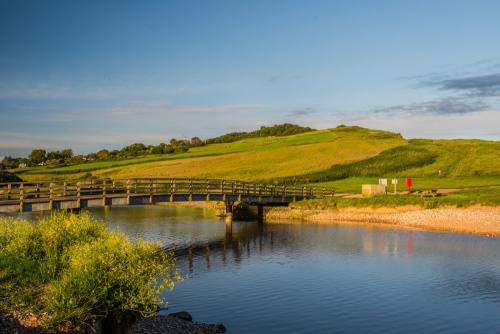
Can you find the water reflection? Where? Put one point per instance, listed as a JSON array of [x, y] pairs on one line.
[[303, 278]]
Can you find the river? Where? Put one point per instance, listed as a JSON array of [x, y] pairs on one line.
[[293, 277], [290, 277]]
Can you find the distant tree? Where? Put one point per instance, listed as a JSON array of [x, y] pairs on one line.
[[37, 156], [173, 142], [53, 155], [167, 149], [54, 162], [67, 154], [103, 154], [158, 149], [181, 149], [196, 142], [134, 150], [77, 159], [9, 162]]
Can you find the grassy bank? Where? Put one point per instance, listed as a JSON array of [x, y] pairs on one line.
[[483, 196], [71, 270]]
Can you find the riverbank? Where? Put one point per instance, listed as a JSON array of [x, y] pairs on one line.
[[474, 220], [482, 220], [163, 324]]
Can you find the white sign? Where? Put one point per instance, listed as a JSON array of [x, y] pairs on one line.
[[394, 181], [383, 182]]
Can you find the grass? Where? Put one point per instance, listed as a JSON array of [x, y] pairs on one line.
[[489, 196], [256, 159], [353, 185], [343, 157]]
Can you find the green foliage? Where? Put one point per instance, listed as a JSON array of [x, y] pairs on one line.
[[389, 162], [39, 252], [286, 129], [90, 273], [9, 177]]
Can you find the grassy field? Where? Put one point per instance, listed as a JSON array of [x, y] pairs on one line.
[[256, 159], [343, 157]]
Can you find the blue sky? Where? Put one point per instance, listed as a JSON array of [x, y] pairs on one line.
[[89, 75]]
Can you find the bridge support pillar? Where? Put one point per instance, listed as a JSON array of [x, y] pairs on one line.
[[260, 211], [229, 213]]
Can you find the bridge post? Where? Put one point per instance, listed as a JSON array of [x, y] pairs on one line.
[[229, 212]]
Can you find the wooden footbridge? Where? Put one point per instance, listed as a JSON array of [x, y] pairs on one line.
[[73, 195]]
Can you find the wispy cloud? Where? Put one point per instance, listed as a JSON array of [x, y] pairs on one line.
[[446, 105], [472, 94], [159, 108], [484, 85], [301, 112]]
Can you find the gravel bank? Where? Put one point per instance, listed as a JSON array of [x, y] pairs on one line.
[[475, 220]]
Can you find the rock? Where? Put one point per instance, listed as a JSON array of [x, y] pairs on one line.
[[182, 315]]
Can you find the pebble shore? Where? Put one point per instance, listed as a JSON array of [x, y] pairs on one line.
[[162, 324], [475, 220]]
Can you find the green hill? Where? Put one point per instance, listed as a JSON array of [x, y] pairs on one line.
[[338, 157]]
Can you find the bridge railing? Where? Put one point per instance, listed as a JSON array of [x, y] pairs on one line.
[[89, 188]]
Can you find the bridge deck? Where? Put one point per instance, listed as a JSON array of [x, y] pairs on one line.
[[79, 194]]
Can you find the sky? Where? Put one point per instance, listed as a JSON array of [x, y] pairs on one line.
[[91, 75]]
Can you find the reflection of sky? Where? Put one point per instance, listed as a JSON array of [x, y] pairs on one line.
[[322, 278]]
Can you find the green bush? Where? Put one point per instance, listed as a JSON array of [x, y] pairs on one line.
[[85, 271]]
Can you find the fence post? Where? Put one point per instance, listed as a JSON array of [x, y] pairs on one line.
[[151, 190], [78, 199], [21, 197], [65, 188], [51, 195], [104, 193], [128, 192], [172, 187]]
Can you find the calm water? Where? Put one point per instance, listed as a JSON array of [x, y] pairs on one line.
[[308, 278]]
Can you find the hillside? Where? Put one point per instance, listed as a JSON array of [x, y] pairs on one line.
[[329, 155], [254, 159]]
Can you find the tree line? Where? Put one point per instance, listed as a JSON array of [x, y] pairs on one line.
[[286, 129], [40, 157]]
